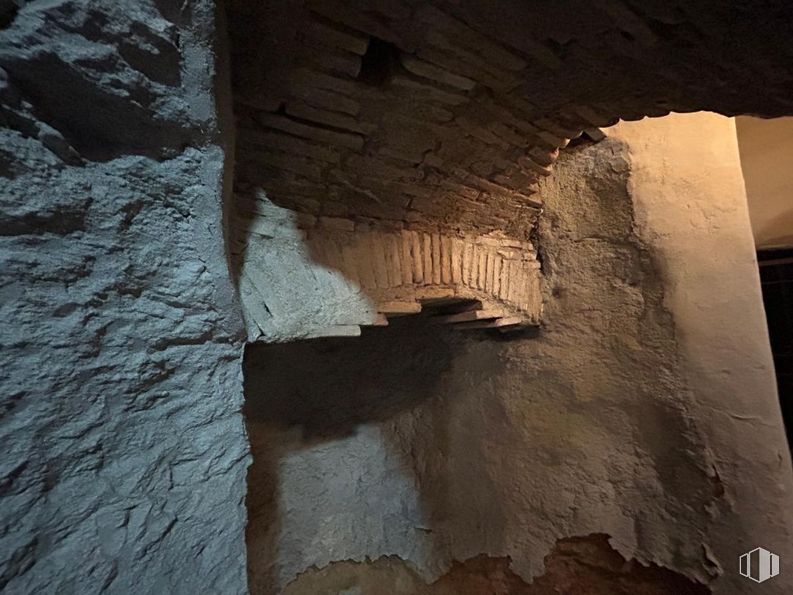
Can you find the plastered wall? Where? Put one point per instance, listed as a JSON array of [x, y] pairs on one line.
[[766, 148], [645, 411]]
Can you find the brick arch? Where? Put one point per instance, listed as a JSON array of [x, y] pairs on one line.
[[476, 102], [468, 280], [441, 139], [442, 118]]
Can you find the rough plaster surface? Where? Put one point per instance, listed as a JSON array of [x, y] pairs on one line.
[[716, 304], [585, 565], [645, 411], [276, 245], [124, 454]]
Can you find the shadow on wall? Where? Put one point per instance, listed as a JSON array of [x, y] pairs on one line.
[[306, 396], [329, 386], [776, 277]]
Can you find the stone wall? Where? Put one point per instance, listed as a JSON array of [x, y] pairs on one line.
[[124, 454], [442, 118], [639, 432]]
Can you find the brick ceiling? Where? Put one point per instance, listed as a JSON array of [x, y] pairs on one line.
[[446, 114]]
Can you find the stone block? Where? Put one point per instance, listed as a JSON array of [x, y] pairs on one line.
[[428, 92], [470, 316]]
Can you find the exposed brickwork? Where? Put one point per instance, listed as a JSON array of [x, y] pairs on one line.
[[409, 265], [434, 141], [468, 106], [442, 117], [401, 269]]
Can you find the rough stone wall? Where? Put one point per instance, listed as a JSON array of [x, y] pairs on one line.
[[577, 565], [644, 411], [125, 458], [124, 455], [715, 301]]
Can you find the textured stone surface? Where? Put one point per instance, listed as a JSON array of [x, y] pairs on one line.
[[642, 411], [709, 272], [441, 118], [123, 448]]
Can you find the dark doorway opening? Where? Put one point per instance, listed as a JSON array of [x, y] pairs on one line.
[[776, 278]]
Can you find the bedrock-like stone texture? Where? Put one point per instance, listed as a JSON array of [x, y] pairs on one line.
[[644, 411], [123, 466]]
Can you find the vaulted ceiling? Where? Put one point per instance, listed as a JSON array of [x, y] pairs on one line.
[[447, 113]]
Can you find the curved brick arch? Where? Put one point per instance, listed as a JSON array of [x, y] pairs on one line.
[[473, 281], [471, 105], [404, 269], [441, 119]]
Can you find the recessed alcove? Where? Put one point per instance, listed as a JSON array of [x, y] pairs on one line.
[[424, 394], [326, 387]]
